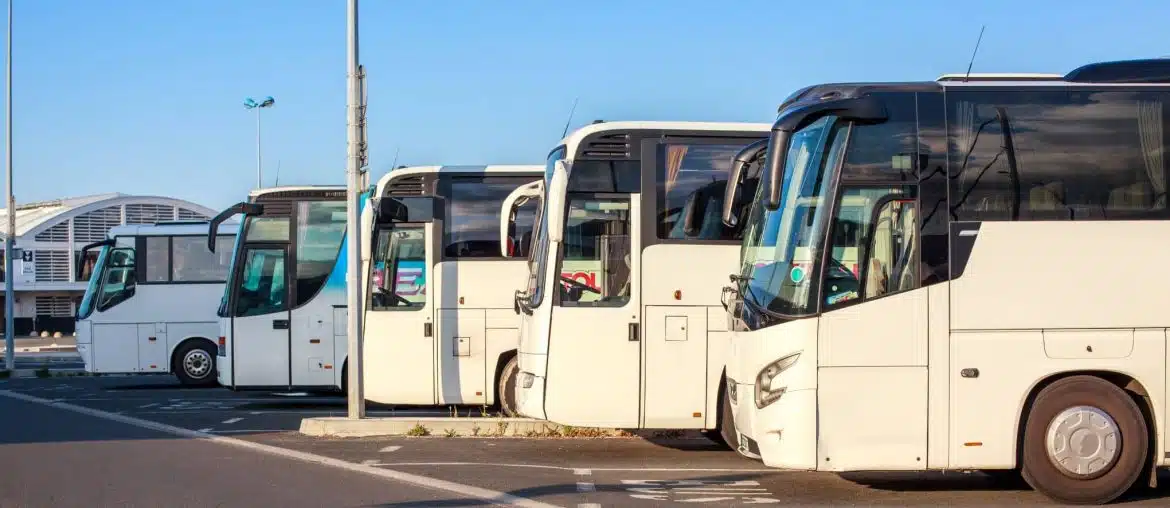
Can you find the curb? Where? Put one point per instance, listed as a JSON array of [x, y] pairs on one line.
[[333, 426], [26, 373]]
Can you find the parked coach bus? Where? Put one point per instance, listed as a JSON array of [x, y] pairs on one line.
[[622, 323], [973, 335], [150, 303], [439, 323]]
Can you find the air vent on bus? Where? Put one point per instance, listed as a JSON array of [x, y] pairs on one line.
[[609, 146], [406, 186]]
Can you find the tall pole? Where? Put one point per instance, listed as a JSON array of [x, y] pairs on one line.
[[259, 171], [10, 238], [356, 397]]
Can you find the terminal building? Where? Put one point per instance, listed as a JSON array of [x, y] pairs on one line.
[[50, 236]]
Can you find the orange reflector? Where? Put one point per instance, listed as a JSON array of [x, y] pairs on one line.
[[677, 294], [460, 300], [973, 443], [328, 367], [479, 393], [222, 341], [154, 366], [697, 415], [314, 341]]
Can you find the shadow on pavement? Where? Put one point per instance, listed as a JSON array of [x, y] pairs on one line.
[[958, 481]]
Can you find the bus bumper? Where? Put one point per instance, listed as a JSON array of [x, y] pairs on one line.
[[530, 396], [784, 433]]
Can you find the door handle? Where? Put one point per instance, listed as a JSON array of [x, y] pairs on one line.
[[634, 335], [280, 324]]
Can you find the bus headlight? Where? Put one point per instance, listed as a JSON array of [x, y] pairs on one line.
[[732, 392], [765, 392], [526, 379]]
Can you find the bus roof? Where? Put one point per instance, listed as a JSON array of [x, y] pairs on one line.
[[171, 228], [404, 172], [294, 188], [573, 139]]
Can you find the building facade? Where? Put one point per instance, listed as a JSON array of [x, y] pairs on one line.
[[49, 239]]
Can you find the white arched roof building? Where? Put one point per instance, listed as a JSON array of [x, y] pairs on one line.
[[52, 233]]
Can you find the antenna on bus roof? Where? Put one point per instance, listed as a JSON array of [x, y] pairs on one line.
[[972, 62], [570, 120], [277, 184], [395, 161]]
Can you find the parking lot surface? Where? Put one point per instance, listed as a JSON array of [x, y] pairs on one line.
[[574, 472]]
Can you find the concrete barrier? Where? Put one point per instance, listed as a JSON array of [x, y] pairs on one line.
[[444, 427]]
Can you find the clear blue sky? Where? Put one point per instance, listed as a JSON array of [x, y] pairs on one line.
[[144, 96]]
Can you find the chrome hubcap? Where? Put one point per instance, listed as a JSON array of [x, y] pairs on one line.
[[197, 363], [1083, 441]]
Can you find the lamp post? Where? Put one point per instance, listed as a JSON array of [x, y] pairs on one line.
[[354, 133], [251, 104], [10, 238]]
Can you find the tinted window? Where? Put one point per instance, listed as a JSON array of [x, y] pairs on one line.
[[885, 151], [157, 259], [605, 176], [262, 288], [268, 229], [472, 225], [1079, 155], [320, 230], [192, 262], [688, 172]]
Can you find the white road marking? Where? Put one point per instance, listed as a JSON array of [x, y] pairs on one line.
[[230, 421], [208, 429], [389, 449], [144, 406], [413, 479], [250, 431], [585, 487], [699, 491], [582, 472], [588, 505], [370, 461]]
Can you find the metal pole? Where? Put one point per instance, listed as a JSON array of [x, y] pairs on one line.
[[10, 238], [259, 171], [356, 397]]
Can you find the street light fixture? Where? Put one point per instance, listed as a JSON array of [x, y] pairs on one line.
[[252, 104]]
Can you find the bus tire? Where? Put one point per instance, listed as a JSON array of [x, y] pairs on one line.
[[506, 388], [194, 363], [1089, 416]]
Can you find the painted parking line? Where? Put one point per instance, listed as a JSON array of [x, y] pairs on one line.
[[699, 491], [230, 421], [389, 449], [389, 474]]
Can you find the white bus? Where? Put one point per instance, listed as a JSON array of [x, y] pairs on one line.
[[439, 324], [282, 313], [150, 303], [622, 323], [969, 338]]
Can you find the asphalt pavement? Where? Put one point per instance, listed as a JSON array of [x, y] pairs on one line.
[[572, 472], [56, 457]]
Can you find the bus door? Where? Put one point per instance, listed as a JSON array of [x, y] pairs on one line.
[[595, 341], [261, 322], [399, 328]]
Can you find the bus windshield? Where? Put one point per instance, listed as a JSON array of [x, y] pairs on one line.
[[91, 289], [782, 247], [538, 257]]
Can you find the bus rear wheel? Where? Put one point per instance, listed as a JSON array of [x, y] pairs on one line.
[[194, 363], [1085, 441], [506, 389]]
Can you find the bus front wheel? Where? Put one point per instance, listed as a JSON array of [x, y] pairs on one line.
[[506, 390], [194, 363], [1085, 441]]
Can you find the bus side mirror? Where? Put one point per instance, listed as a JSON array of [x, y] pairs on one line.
[[555, 198], [774, 173]]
